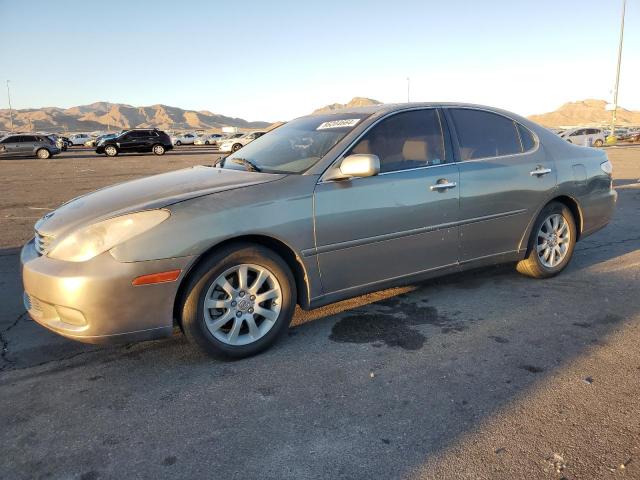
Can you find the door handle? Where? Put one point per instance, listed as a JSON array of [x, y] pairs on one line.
[[438, 187], [539, 171]]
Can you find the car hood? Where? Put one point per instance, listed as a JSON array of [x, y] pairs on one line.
[[147, 193]]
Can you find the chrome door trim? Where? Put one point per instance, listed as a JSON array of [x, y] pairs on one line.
[[332, 247]]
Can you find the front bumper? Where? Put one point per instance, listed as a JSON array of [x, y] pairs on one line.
[[94, 301]]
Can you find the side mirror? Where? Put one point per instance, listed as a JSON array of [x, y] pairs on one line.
[[356, 165]]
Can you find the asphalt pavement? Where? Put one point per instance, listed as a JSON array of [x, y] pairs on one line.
[[484, 375]]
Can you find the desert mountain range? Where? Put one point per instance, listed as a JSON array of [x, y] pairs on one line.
[[117, 116], [585, 112]]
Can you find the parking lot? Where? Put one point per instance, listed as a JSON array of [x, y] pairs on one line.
[[485, 374]]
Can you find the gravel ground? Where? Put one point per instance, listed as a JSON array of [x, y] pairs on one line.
[[485, 374]]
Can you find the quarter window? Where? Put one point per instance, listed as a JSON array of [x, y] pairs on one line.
[[485, 134], [406, 140], [526, 138]]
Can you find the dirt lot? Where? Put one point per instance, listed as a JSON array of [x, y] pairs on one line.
[[485, 374]]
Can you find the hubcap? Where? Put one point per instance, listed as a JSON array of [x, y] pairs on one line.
[[159, 150], [553, 240], [243, 304], [111, 151]]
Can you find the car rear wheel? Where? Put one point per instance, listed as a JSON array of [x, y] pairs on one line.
[[206, 142], [551, 244], [598, 143], [236, 147], [111, 150], [158, 149], [43, 153], [238, 302]]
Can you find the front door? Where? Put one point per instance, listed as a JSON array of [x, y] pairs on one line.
[[505, 177], [398, 222]]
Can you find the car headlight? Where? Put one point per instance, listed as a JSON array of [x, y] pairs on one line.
[[89, 242]]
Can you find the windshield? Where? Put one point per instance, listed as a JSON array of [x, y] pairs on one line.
[[295, 146]]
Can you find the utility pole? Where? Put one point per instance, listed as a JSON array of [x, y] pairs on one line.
[[615, 90], [10, 109], [408, 87]]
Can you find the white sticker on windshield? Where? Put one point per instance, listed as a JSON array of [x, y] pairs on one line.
[[347, 122]]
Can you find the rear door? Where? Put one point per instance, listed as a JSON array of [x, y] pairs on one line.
[[505, 178], [27, 145], [399, 222]]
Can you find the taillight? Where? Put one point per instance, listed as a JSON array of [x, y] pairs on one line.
[[606, 167]]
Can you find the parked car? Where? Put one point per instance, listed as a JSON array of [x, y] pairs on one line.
[[59, 141], [365, 199], [137, 140], [39, 146], [210, 139], [94, 142], [79, 139], [236, 143], [185, 139], [585, 136]]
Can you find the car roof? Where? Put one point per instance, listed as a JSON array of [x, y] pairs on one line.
[[393, 107]]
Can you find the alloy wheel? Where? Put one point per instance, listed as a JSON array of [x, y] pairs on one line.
[[111, 151], [553, 240], [242, 304], [158, 149]]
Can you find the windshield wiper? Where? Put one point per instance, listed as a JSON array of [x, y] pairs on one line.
[[252, 167]]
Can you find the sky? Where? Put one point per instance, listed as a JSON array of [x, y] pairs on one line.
[[276, 60]]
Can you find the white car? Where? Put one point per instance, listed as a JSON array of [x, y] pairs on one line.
[[210, 139], [79, 139], [236, 143], [586, 137], [185, 139]]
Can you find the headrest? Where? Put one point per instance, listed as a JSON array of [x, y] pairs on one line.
[[362, 147], [415, 149]]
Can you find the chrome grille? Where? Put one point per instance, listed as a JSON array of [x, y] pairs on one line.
[[42, 243]]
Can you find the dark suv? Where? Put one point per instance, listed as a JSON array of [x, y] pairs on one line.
[[137, 140], [24, 145]]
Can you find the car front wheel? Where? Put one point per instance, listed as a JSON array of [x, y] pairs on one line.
[[598, 143], [551, 243], [236, 147], [158, 150], [178, 143], [238, 302], [43, 154], [111, 151]]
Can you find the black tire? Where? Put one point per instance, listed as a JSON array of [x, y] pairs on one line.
[[236, 147], [158, 149], [178, 143], [206, 142], [111, 151], [532, 266], [192, 315], [43, 154], [598, 143]]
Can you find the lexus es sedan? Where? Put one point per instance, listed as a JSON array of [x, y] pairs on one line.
[[323, 208]]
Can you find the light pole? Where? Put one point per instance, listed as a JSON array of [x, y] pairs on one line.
[[615, 90], [10, 109], [408, 86]]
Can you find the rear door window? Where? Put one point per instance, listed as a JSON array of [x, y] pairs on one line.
[[483, 134]]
